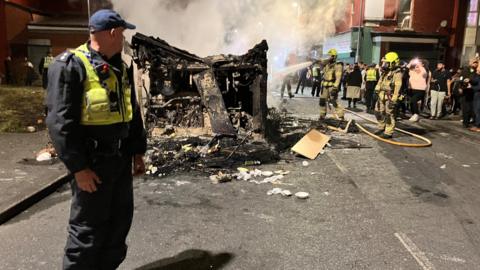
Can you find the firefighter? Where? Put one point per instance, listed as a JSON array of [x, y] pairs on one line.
[[43, 68], [332, 76], [95, 124], [388, 91]]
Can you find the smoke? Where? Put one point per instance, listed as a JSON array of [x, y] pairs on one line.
[[208, 27]]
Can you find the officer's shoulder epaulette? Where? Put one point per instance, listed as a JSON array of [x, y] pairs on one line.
[[64, 57]]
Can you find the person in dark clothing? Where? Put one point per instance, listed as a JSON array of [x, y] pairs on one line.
[[95, 124], [371, 79], [354, 83], [475, 82], [467, 93], [345, 73], [43, 68], [439, 90], [29, 72], [456, 96], [302, 80], [401, 107], [8, 70]]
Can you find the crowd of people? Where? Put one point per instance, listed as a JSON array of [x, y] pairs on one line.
[[425, 93]]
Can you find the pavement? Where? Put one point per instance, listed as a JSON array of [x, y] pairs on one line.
[[382, 207], [21, 181]]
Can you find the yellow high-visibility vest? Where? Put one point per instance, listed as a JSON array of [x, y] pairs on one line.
[[98, 108], [47, 60], [371, 75]]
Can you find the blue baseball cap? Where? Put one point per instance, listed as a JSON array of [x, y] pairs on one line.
[[106, 19]]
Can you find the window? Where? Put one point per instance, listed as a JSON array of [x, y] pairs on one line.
[[374, 9], [404, 14], [472, 16]]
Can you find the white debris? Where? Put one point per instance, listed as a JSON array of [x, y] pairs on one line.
[[326, 193], [286, 193], [181, 183], [272, 179], [443, 155], [302, 195], [466, 166], [31, 129], [444, 166], [267, 173], [305, 163], [256, 173], [45, 156], [274, 191]]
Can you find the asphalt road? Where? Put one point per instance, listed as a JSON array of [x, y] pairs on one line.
[[377, 208]]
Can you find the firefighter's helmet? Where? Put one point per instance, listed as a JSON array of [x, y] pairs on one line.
[[332, 52], [392, 58]]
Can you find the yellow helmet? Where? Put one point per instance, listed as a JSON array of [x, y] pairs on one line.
[[392, 58], [332, 52]]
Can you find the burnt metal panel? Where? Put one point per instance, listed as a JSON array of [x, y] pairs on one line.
[[213, 101]]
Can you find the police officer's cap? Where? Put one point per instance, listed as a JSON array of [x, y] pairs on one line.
[[106, 19]]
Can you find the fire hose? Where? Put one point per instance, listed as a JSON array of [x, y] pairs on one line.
[[426, 143]]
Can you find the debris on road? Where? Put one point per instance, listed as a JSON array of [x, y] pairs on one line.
[[31, 129], [221, 177], [444, 166], [302, 195], [311, 144], [275, 191]]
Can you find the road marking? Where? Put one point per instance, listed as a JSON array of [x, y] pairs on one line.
[[419, 255], [448, 258]]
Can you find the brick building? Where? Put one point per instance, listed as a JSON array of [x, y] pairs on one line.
[[31, 28], [430, 29]]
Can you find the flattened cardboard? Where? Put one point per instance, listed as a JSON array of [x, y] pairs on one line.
[[311, 144]]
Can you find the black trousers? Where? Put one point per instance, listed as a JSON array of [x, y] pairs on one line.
[[100, 221], [476, 108], [45, 78], [370, 96], [317, 84], [467, 110], [417, 95], [301, 82]]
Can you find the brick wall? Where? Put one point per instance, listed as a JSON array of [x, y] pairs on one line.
[[3, 37]]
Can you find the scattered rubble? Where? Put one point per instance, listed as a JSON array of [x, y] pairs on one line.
[[221, 177], [302, 195], [283, 192]]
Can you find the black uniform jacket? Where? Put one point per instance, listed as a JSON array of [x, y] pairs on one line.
[[64, 100]]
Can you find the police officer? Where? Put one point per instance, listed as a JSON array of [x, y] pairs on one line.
[[371, 79], [316, 79], [43, 68], [388, 91], [332, 76], [96, 127]]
